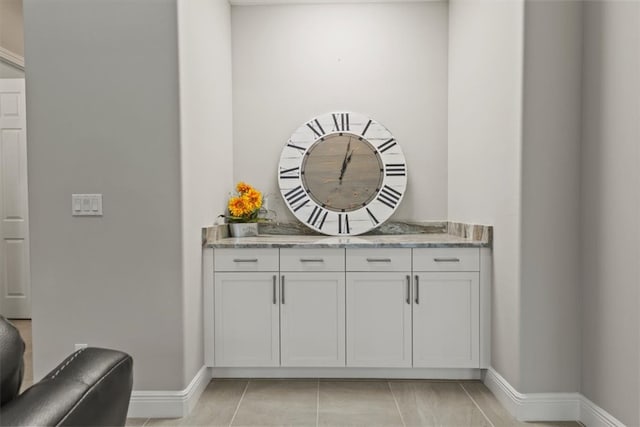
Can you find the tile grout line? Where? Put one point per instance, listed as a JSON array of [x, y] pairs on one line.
[[476, 403], [396, 402], [318, 404], [239, 402]]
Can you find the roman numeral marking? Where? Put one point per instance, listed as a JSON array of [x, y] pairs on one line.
[[395, 169], [296, 198], [343, 224], [386, 145], [341, 122], [372, 217], [297, 147], [317, 217], [293, 173], [366, 127], [312, 125], [390, 197]]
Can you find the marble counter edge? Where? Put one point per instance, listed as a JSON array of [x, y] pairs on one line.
[[435, 234], [238, 243]]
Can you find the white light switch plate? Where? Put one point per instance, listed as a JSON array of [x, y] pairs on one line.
[[86, 204]]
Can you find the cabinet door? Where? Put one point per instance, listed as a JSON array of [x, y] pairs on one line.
[[378, 319], [246, 319], [312, 312], [446, 322]]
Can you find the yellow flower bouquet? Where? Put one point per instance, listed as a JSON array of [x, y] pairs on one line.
[[245, 205]]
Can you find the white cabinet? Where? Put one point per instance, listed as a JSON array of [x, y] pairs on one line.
[[312, 319], [446, 259], [428, 319], [378, 307], [279, 318], [246, 260], [349, 308], [378, 319], [312, 307], [446, 308], [247, 319], [246, 307], [312, 260]]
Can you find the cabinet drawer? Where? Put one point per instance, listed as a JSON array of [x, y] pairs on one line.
[[312, 259], [246, 260], [445, 259], [379, 259]]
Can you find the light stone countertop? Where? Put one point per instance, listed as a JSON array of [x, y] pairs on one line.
[[448, 237], [396, 241]]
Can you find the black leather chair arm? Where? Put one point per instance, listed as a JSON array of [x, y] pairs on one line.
[[90, 388]]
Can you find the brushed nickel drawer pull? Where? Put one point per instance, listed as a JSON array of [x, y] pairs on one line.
[[417, 290], [311, 259], [245, 260], [282, 290], [378, 259], [275, 301], [408, 289], [446, 259]]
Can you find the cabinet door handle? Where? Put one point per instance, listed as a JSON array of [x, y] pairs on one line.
[[311, 259], [275, 301], [245, 260], [446, 259], [408, 289], [417, 290], [282, 290], [378, 259]]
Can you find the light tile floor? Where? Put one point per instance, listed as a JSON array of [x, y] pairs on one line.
[[24, 326], [261, 402]]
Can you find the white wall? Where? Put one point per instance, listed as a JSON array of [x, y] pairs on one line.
[[550, 286], [610, 197], [103, 117], [205, 148], [389, 61], [484, 123]]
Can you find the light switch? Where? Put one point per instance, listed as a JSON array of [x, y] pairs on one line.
[[86, 204]]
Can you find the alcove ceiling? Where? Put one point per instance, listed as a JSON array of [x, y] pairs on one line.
[[289, 2]]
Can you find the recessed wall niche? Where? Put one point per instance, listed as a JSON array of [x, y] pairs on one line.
[[387, 60]]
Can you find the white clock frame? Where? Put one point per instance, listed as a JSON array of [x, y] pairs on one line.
[[348, 223]]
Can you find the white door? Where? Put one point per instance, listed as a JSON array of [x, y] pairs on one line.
[[247, 319], [15, 287], [446, 320], [379, 319], [312, 319]]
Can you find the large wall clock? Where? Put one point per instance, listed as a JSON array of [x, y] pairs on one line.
[[342, 173]]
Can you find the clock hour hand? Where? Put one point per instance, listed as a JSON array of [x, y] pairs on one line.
[[349, 159], [345, 161]]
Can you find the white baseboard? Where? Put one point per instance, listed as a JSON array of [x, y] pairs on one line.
[[548, 406], [399, 373], [591, 415], [169, 403]]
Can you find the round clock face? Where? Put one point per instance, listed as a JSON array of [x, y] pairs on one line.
[[342, 174]]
